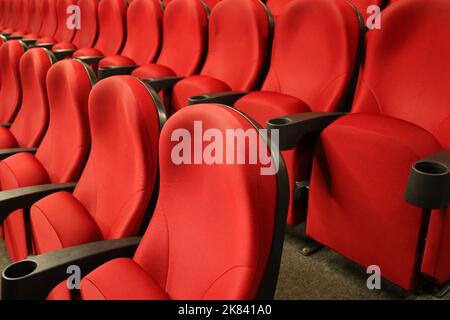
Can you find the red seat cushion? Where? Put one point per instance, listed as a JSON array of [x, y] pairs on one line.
[[262, 106], [7, 139], [87, 52], [195, 85], [153, 70], [45, 40], [54, 228], [19, 170], [360, 172], [102, 284], [115, 61], [64, 46]]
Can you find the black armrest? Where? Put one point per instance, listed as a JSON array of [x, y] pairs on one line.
[[29, 41], [159, 84], [91, 60], [5, 153], [13, 37], [14, 199], [6, 33], [43, 45], [228, 98], [35, 277], [63, 53], [294, 127], [106, 72], [429, 182], [6, 125]]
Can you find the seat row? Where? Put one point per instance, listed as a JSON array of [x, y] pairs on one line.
[[357, 170]]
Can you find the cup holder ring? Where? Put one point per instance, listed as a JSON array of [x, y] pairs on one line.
[[430, 168], [199, 97], [278, 122], [19, 269]]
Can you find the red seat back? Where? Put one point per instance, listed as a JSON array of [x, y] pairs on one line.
[[195, 248], [63, 33], [31, 122], [65, 145], [125, 132], [187, 35], [238, 43], [10, 90], [144, 31], [88, 32], [276, 6], [111, 17], [50, 22], [310, 62], [36, 16], [414, 84]]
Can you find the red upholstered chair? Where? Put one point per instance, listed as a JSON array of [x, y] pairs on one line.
[[62, 153], [34, 19], [237, 51], [62, 33], [30, 124], [112, 195], [112, 31], [88, 32], [231, 254], [49, 23], [15, 9], [400, 115], [10, 90], [144, 35], [187, 35], [306, 75]]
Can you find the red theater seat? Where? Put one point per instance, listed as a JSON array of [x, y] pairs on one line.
[[61, 155], [306, 75], [111, 197], [88, 32], [63, 33], [10, 90], [361, 167], [187, 35], [49, 22], [30, 124], [112, 30], [276, 6], [189, 253], [237, 51], [144, 33]]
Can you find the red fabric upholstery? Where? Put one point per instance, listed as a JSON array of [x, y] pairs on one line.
[[236, 51], [63, 33], [225, 254], [304, 68], [125, 131], [116, 60], [88, 32], [7, 139], [277, 6], [50, 22], [31, 122], [10, 91], [19, 170], [363, 161], [363, 5], [62, 152], [153, 70], [195, 85], [187, 35], [112, 28], [87, 52], [55, 229], [144, 33]]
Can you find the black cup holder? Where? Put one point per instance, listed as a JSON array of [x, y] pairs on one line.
[[279, 121], [430, 168], [19, 269], [199, 97]]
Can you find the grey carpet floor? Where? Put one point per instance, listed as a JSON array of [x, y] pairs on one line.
[[323, 275]]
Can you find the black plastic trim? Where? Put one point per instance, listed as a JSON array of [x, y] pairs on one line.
[[29, 42], [105, 72], [14, 37], [44, 45], [35, 277], [162, 113], [429, 182], [90, 60], [5, 153], [25, 197], [63, 53], [159, 84], [226, 97], [6, 125], [294, 127]]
